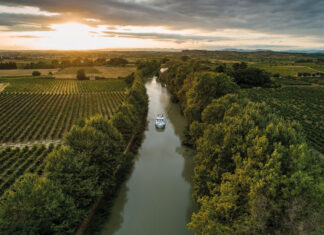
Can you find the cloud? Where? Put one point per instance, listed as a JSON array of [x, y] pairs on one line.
[[288, 17], [26, 36], [165, 36]]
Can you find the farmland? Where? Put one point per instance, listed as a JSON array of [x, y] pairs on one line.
[[303, 104], [285, 70], [70, 72], [44, 109], [60, 86], [18, 161], [24, 72], [101, 71]]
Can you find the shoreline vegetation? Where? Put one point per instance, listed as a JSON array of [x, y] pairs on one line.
[[88, 164], [253, 170]]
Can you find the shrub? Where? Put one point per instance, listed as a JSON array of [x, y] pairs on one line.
[[36, 73], [81, 75]]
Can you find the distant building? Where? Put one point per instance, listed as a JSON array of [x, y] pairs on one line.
[[92, 77]]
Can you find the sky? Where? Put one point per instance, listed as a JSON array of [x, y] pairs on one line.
[[162, 24]]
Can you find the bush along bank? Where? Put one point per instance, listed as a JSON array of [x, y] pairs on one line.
[[85, 168], [253, 171]]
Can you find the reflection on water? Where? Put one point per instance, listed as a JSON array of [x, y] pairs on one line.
[[156, 199]]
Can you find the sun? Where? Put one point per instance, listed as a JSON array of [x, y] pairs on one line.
[[72, 36]]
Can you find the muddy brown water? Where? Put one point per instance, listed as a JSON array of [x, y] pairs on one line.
[[156, 198]]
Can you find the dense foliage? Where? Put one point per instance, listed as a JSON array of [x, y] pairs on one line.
[[81, 75], [254, 173], [117, 62], [36, 73], [8, 65], [36, 205]]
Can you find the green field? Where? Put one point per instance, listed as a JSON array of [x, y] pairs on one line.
[[15, 162], [73, 70], [70, 72], [283, 70], [60, 86], [101, 71], [303, 104], [44, 109]]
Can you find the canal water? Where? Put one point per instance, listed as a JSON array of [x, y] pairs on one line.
[[156, 199]]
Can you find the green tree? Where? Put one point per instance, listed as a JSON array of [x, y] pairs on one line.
[[102, 143], [206, 87], [125, 120], [36, 205], [81, 75], [254, 174], [75, 174], [36, 73]]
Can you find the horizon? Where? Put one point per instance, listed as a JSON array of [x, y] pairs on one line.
[[161, 25]]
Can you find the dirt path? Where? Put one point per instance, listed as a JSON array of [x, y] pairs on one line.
[[314, 69], [3, 86]]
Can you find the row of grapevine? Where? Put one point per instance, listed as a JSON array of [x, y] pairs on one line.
[[16, 162], [29, 117], [303, 104], [57, 86]]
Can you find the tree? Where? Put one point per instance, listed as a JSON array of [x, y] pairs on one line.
[[102, 143], [206, 87], [254, 174], [251, 77], [117, 62], [75, 174], [184, 58], [241, 65], [36, 73], [124, 120], [81, 75], [35, 205]]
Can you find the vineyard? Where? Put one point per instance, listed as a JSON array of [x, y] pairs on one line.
[[15, 162], [303, 104], [47, 108], [56, 86]]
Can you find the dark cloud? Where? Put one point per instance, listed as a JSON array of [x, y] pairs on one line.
[[166, 36], [24, 22], [293, 17]]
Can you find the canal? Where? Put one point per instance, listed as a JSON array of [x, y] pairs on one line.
[[156, 198]]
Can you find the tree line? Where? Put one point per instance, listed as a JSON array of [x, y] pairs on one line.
[[86, 167], [76, 62], [8, 65], [253, 171]]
